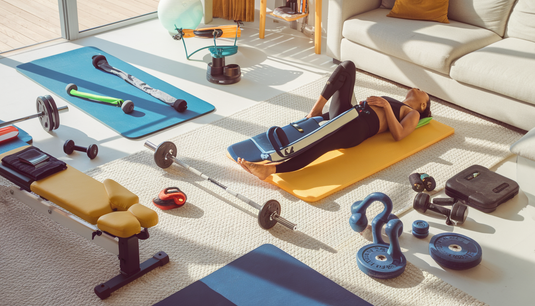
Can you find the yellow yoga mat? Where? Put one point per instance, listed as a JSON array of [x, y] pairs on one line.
[[338, 169]]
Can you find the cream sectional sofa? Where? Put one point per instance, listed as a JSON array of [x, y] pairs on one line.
[[483, 60]]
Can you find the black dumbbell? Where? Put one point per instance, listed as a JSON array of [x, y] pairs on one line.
[[458, 212], [69, 147], [421, 181]]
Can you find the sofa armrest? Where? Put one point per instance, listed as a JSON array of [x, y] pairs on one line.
[[525, 146], [339, 11]]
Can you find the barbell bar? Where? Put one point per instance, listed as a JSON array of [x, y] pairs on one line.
[[47, 112], [269, 213]]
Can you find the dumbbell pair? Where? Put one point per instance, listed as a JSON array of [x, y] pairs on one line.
[[421, 181], [69, 147], [458, 212], [422, 202]]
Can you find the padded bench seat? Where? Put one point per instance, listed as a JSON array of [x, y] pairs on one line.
[[112, 207], [76, 192]]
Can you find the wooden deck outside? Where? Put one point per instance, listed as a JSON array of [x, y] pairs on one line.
[[27, 22]]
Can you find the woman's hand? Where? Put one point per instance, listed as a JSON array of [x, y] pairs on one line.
[[378, 101]]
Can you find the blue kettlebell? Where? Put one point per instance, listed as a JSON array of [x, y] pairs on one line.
[[379, 259], [359, 222]]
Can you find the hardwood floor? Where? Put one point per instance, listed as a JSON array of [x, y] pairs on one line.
[[28, 22]]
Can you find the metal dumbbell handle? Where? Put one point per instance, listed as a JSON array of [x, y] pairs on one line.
[[275, 216], [5, 123]]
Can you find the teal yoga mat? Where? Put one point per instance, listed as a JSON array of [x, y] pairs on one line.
[[150, 114]]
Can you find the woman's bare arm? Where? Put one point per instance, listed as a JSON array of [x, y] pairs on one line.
[[399, 130]]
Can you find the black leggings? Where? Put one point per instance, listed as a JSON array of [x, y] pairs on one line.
[[340, 87]]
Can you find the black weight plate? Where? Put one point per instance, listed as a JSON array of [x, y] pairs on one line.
[[264, 216], [55, 111], [160, 155], [455, 251], [421, 202], [416, 182], [46, 117], [92, 151], [459, 212], [429, 183]]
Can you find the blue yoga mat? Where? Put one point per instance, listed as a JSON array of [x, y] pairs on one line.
[[265, 276], [150, 114]]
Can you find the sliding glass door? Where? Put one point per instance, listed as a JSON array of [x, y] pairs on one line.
[[28, 22]]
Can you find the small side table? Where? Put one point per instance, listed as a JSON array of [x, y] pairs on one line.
[[317, 24]]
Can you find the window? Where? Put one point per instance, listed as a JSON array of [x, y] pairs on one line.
[[28, 22]]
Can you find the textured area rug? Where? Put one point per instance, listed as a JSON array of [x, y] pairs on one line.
[[42, 263]]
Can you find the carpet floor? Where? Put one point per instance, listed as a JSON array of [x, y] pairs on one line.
[[43, 263]]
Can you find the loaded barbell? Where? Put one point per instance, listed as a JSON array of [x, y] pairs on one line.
[[47, 112], [269, 213]]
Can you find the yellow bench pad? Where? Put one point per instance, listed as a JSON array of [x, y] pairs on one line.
[[339, 169], [119, 223], [76, 192]]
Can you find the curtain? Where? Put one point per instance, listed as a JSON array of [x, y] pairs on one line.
[[234, 9]]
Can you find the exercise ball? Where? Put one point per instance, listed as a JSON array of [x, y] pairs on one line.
[[182, 14]]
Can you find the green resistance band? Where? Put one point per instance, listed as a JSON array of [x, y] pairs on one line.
[[89, 96]]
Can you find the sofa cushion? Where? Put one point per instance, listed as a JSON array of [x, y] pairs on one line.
[[426, 43], [432, 10], [488, 14], [505, 67], [387, 4], [522, 21]]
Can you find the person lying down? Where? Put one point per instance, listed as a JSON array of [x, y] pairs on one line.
[[383, 114]]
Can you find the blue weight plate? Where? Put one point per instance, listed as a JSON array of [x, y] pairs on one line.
[[374, 260], [420, 228], [455, 251]]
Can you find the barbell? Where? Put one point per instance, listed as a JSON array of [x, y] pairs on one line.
[[47, 112], [269, 213]]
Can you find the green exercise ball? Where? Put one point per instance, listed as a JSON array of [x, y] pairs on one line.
[[182, 14]]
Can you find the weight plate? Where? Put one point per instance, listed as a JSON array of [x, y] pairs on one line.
[[429, 183], [420, 229], [54, 109], [160, 155], [68, 146], [92, 151], [459, 213], [455, 251], [374, 260], [46, 116], [264, 216], [421, 202], [416, 182]]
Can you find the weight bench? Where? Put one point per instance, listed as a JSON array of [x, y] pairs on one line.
[[106, 213]]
